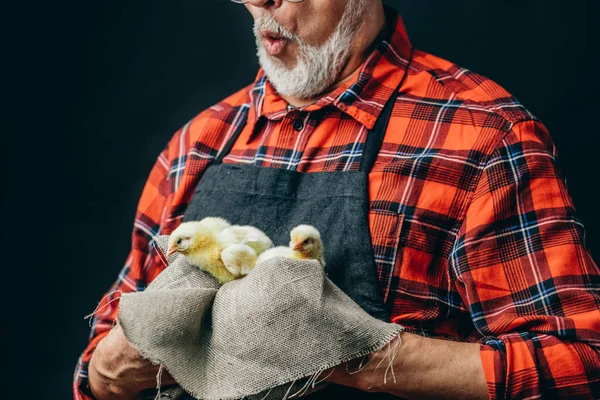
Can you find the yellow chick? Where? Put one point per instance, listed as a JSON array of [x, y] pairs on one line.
[[305, 244], [197, 241], [244, 234], [241, 246], [212, 224], [239, 259], [305, 241], [225, 251]]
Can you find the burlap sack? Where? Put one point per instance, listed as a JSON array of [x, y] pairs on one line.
[[262, 336]]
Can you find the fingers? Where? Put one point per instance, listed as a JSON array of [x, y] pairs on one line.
[[118, 370]]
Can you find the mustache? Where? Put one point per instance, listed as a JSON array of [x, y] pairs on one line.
[[267, 22]]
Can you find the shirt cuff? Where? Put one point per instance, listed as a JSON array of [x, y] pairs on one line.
[[493, 361], [81, 387]]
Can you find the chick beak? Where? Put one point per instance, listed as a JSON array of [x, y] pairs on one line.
[[297, 246], [171, 251]]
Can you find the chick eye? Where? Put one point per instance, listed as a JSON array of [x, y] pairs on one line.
[[306, 241], [179, 241]]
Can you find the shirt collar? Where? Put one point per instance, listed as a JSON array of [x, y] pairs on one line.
[[363, 95]]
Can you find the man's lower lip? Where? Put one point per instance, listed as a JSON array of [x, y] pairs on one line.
[[274, 46]]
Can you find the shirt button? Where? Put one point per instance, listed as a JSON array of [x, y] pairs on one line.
[[298, 125]]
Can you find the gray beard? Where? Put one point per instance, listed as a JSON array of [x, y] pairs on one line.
[[317, 67]]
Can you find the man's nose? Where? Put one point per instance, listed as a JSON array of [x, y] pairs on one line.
[[266, 3]]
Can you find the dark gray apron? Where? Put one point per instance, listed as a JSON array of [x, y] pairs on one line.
[[336, 203]]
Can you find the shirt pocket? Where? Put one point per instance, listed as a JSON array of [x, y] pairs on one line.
[[386, 228]]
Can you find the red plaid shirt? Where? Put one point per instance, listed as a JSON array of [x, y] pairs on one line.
[[473, 231]]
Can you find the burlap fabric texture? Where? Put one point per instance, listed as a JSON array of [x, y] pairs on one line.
[[263, 336]]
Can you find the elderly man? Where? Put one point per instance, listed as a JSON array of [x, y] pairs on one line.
[[471, 236]]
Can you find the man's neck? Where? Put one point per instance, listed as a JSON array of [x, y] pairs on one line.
[[363, 46]]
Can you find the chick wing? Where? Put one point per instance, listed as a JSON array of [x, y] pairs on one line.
[[243, 234], [279, 251], [239, 259]]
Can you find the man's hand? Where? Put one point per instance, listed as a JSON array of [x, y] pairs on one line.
[[118, 372], [423, 368]]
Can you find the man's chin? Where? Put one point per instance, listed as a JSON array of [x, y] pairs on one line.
[[276, 65], [284, 61], [290, 80]]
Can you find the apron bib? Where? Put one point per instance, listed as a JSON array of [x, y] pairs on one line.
[[336, 203]]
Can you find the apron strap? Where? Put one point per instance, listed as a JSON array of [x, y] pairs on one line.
[[377, 134], [234, 137]]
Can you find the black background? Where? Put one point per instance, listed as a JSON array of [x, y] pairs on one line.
[[95, 90]]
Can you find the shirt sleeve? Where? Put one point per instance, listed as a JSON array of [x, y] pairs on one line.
[[142, 265], [522, 268]]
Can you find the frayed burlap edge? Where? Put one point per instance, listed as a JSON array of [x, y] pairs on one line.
[[288, 380]]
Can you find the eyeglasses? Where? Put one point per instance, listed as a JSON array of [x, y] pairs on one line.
[[247, 1]]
